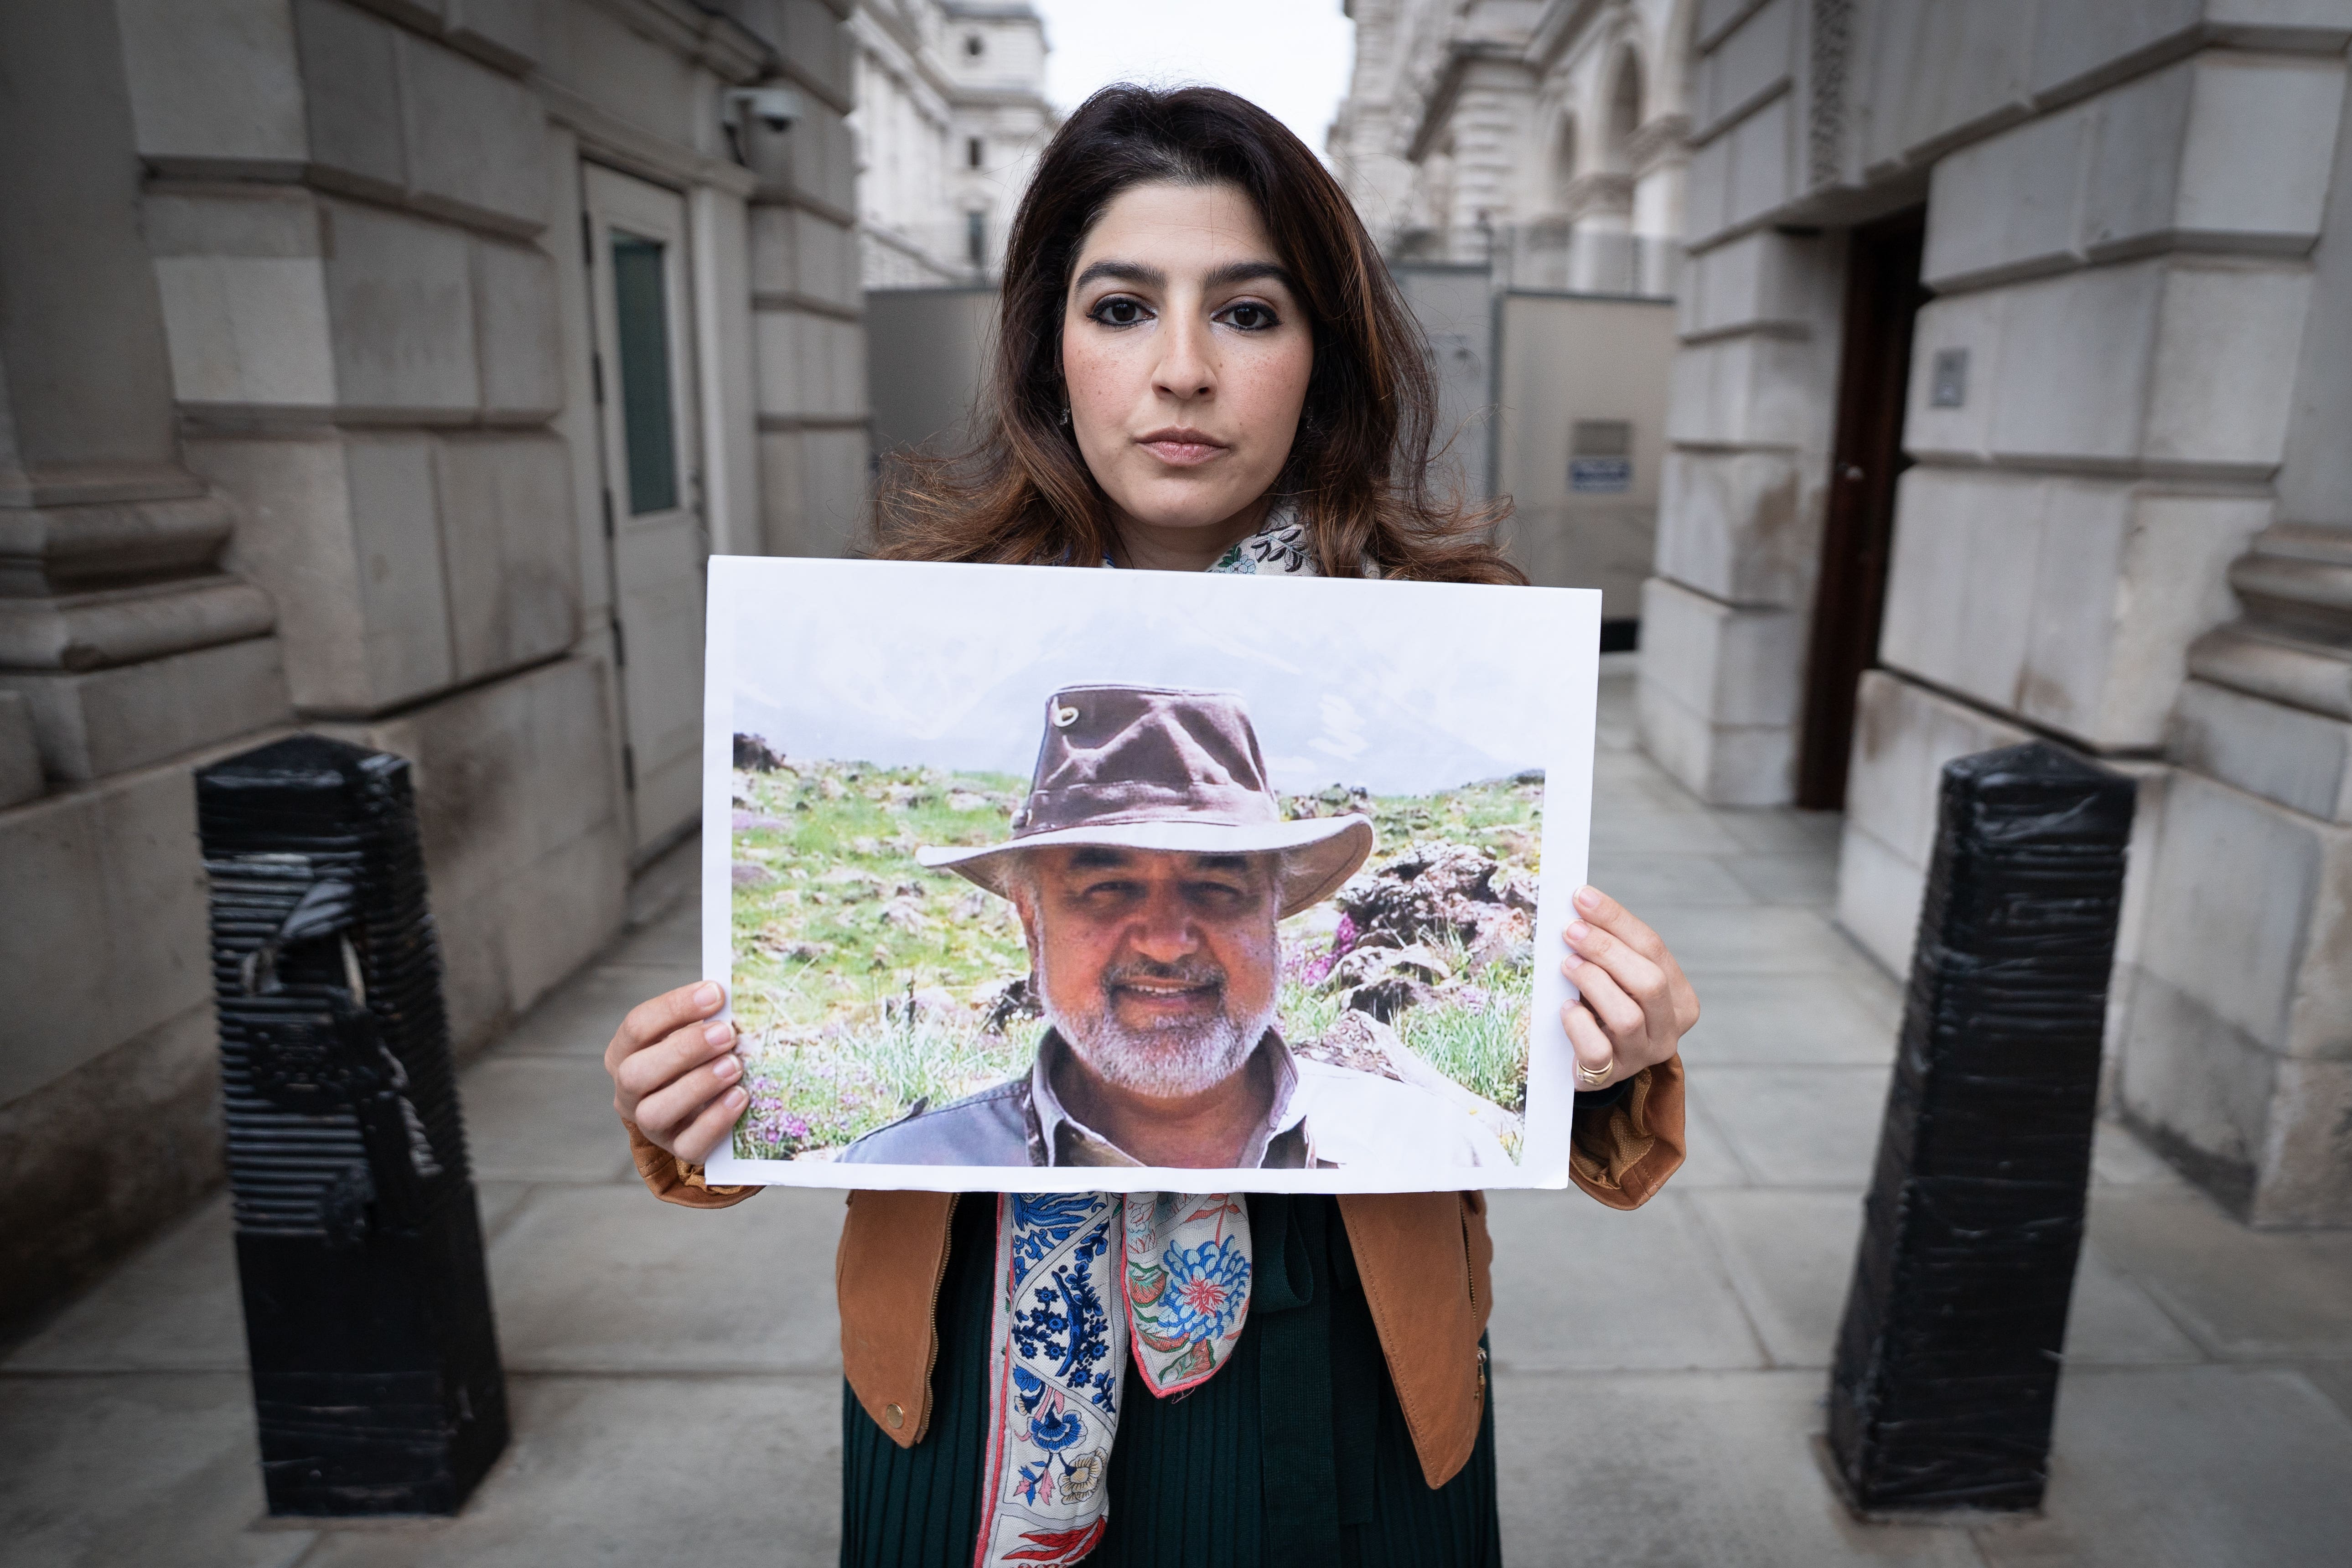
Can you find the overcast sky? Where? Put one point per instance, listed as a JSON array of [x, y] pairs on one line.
[[1290, 56], [1401, 686]]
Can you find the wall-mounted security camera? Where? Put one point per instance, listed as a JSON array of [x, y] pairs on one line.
[[777, 108]]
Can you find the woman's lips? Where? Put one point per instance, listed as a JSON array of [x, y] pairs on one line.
[[1182, 449]]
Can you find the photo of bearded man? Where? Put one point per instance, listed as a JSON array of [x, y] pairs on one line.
[[1150, 867]]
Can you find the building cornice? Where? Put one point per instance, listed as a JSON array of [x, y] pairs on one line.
[[710, 38], [610, 139], [1598, 192], [1461, 56], [1000, 98], [1562, 23], [1658, 141]]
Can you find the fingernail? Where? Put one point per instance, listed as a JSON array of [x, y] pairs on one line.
[[1578, 931], [735, 1097], [706, 996], [718, 1034], [1588, 898], [727, 1069], [1572, 966]]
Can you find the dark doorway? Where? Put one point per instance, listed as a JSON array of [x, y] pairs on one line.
[[1883, 297]]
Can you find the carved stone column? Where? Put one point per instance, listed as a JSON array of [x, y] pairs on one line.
[[2234, 1061], [121, 641]]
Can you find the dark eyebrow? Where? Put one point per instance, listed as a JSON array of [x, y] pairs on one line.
[[1225, 277], [1097, 856], [1124, 272], [1234, 272]]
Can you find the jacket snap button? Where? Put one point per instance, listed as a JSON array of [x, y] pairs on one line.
[[895, 1416]]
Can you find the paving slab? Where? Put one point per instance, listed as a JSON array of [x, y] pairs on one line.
[[1782, 829], [497, 1202], [1632, 827], [1709, 1161], [1681, 1470], [2332, 1378], [1797, 1126], [579, 1016], [1630, 768], [2119, 1159], [157, 1467], [173, 1307], [1788, 1020], [675, 939], [177, 1306], [727, 1472], [2207, 1467], [1615, 727], [1711, 942], [1580, 1286], [544, 1119], [1806, 877], [2240, 1293], [1644, 880], [1791, 1257], [610, 1278]]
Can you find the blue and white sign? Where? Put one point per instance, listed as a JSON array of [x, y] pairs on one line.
[[1600, 476]]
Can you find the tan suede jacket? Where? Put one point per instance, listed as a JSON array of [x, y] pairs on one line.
[[1423, 1256]]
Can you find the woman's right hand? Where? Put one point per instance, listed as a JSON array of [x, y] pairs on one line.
[[675, 1076]]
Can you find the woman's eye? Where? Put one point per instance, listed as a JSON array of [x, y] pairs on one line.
[[1116, 312], [1251, 318]]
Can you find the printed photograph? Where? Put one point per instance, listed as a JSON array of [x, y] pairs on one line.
[[1265, 897]]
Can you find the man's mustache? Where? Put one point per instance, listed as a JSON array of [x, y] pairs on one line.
[[1186, 971]]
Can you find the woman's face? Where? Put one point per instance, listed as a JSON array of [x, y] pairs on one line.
[[1186, 356]]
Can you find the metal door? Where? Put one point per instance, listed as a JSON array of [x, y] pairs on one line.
[[650, 434]]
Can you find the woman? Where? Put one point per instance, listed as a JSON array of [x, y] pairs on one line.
[[1202, 364]]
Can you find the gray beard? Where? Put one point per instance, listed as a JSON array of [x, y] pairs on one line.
[[1162, 1064]]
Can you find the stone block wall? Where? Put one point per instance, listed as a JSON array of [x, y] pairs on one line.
[[808, 312], [388, 441], [2131, 213], [297, 427], [1740, 513]]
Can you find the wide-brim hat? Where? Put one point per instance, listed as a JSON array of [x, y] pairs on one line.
[[1162, 768]]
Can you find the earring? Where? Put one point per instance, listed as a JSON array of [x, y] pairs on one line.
[[1065, 420]]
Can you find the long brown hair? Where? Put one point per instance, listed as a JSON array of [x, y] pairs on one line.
[[1360, 467]]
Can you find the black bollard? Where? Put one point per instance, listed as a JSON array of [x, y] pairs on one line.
[[367, 1313], [1947, 1372]]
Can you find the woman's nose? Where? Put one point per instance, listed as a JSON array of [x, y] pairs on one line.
[[1185, 369]]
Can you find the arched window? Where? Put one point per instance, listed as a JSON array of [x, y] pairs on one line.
[[1563, 161], [1624, 109]]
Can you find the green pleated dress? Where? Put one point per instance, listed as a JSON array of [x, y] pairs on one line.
[[1295, 1454]]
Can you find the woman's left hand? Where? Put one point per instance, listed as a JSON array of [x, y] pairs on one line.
[[1633, 1006]]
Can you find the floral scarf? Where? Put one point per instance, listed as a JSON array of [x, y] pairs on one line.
[[1086, 1281], [1278, 549]]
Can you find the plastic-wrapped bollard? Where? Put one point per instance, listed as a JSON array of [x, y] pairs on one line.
[[1948, 1359], [367, 1313]]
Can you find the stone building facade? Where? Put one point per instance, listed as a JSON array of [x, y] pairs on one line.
[[951, 115], [1544, 134], [386, 369], [2012, 399]]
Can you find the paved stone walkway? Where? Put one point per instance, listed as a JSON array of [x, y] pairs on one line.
[[1659, 1377]]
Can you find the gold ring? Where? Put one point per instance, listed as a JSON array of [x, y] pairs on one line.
[[1596, 1079]]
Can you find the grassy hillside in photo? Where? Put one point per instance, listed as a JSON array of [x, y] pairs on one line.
[[865, 984]]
